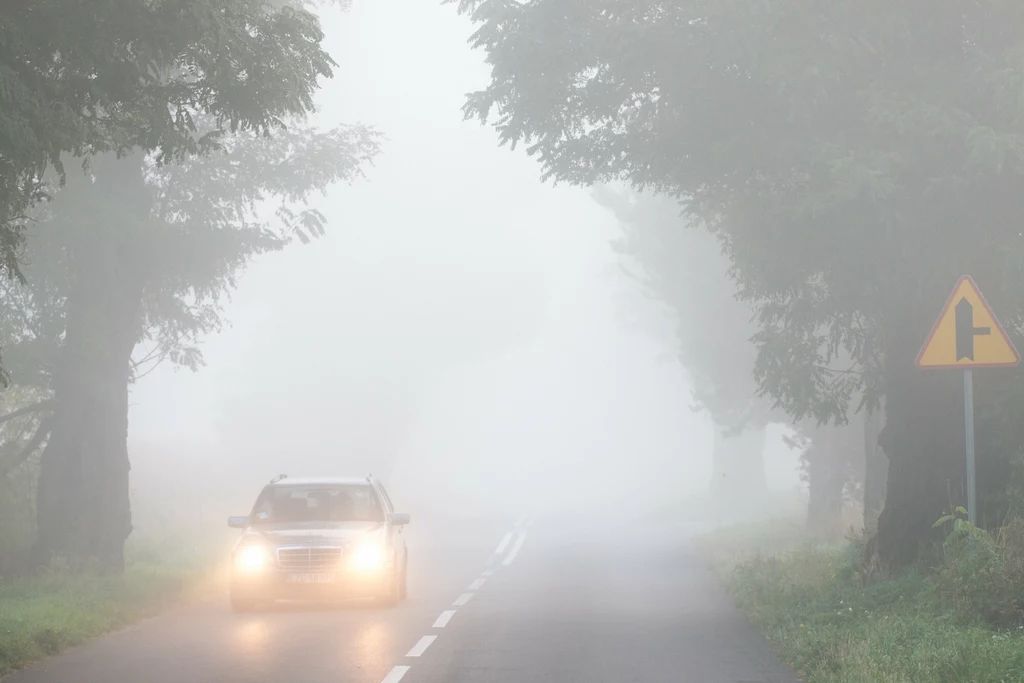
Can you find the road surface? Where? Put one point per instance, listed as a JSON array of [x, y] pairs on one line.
[[494, 601]]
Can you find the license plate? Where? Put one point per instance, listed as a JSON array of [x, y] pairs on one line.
[[310, 577]]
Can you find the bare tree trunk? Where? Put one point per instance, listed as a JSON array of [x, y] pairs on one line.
[[738, 485], [826, 481], [83, 510], [924, 440], [876, 470]]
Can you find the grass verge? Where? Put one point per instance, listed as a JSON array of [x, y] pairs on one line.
[[832, 625], [41, 616]]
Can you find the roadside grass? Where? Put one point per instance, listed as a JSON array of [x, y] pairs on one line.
[[41, 616], [176, 554], [834, 625], [729, 546]]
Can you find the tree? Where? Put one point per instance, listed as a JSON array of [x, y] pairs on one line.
[[142, 247], [876, 468], [23, 408], [685, 268], [139, 252], [854, 157], [80, 78], [832, 463]]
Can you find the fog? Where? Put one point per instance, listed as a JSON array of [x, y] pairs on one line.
[[463, 331], [397, 341]]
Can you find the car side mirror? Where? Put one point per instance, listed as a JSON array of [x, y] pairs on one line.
[[399, 519], [238, 521]]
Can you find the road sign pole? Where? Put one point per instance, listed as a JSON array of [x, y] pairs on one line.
[[967, 336], [969, 424]]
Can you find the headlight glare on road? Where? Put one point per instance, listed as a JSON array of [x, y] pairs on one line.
[[368, 557], [252, 558]]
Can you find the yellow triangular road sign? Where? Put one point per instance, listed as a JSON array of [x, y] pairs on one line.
[[967, 334]]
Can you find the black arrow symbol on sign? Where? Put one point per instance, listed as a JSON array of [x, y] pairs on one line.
[[965, 329]]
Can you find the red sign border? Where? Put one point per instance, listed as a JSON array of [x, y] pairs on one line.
[[942, 314]]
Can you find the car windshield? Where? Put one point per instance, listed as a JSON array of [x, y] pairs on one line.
[[337, 503]]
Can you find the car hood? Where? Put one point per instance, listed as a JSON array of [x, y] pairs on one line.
[[312, 533]]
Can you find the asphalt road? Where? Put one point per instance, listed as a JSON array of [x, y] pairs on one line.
[[491, 601]]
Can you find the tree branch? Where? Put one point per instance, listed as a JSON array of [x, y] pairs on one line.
[[852, 370], [19, 299], [31, 447], [27, 410], [157, 356]]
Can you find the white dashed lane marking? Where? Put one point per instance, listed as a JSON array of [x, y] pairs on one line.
[[504, 544], [515, 549], [421, 647], [445, 617], [396, 674]]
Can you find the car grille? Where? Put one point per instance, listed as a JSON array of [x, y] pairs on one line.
[[309, 558]]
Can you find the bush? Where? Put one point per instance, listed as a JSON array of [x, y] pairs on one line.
[[17, 521], [833, 624], [981, 575]]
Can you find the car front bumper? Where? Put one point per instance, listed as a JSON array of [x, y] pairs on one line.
[[279, 584]]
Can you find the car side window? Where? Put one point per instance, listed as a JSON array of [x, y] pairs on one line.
[[387, 499], [261, 509]]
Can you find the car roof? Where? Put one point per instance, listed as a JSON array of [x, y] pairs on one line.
[[322, 481]]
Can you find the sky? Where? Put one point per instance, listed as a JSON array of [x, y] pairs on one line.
[[462, 324]]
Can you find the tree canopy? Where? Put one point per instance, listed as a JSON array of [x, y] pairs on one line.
[[686, 269], [141, 244], [79, 77], [853, 157], [210, 215]]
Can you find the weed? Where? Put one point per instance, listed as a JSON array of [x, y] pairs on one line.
[[933, 624], [44, 615]]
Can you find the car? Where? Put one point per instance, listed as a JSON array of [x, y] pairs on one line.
[[309, 538]]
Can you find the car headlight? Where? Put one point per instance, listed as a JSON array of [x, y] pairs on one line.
[[368, 556], [252, 558]]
